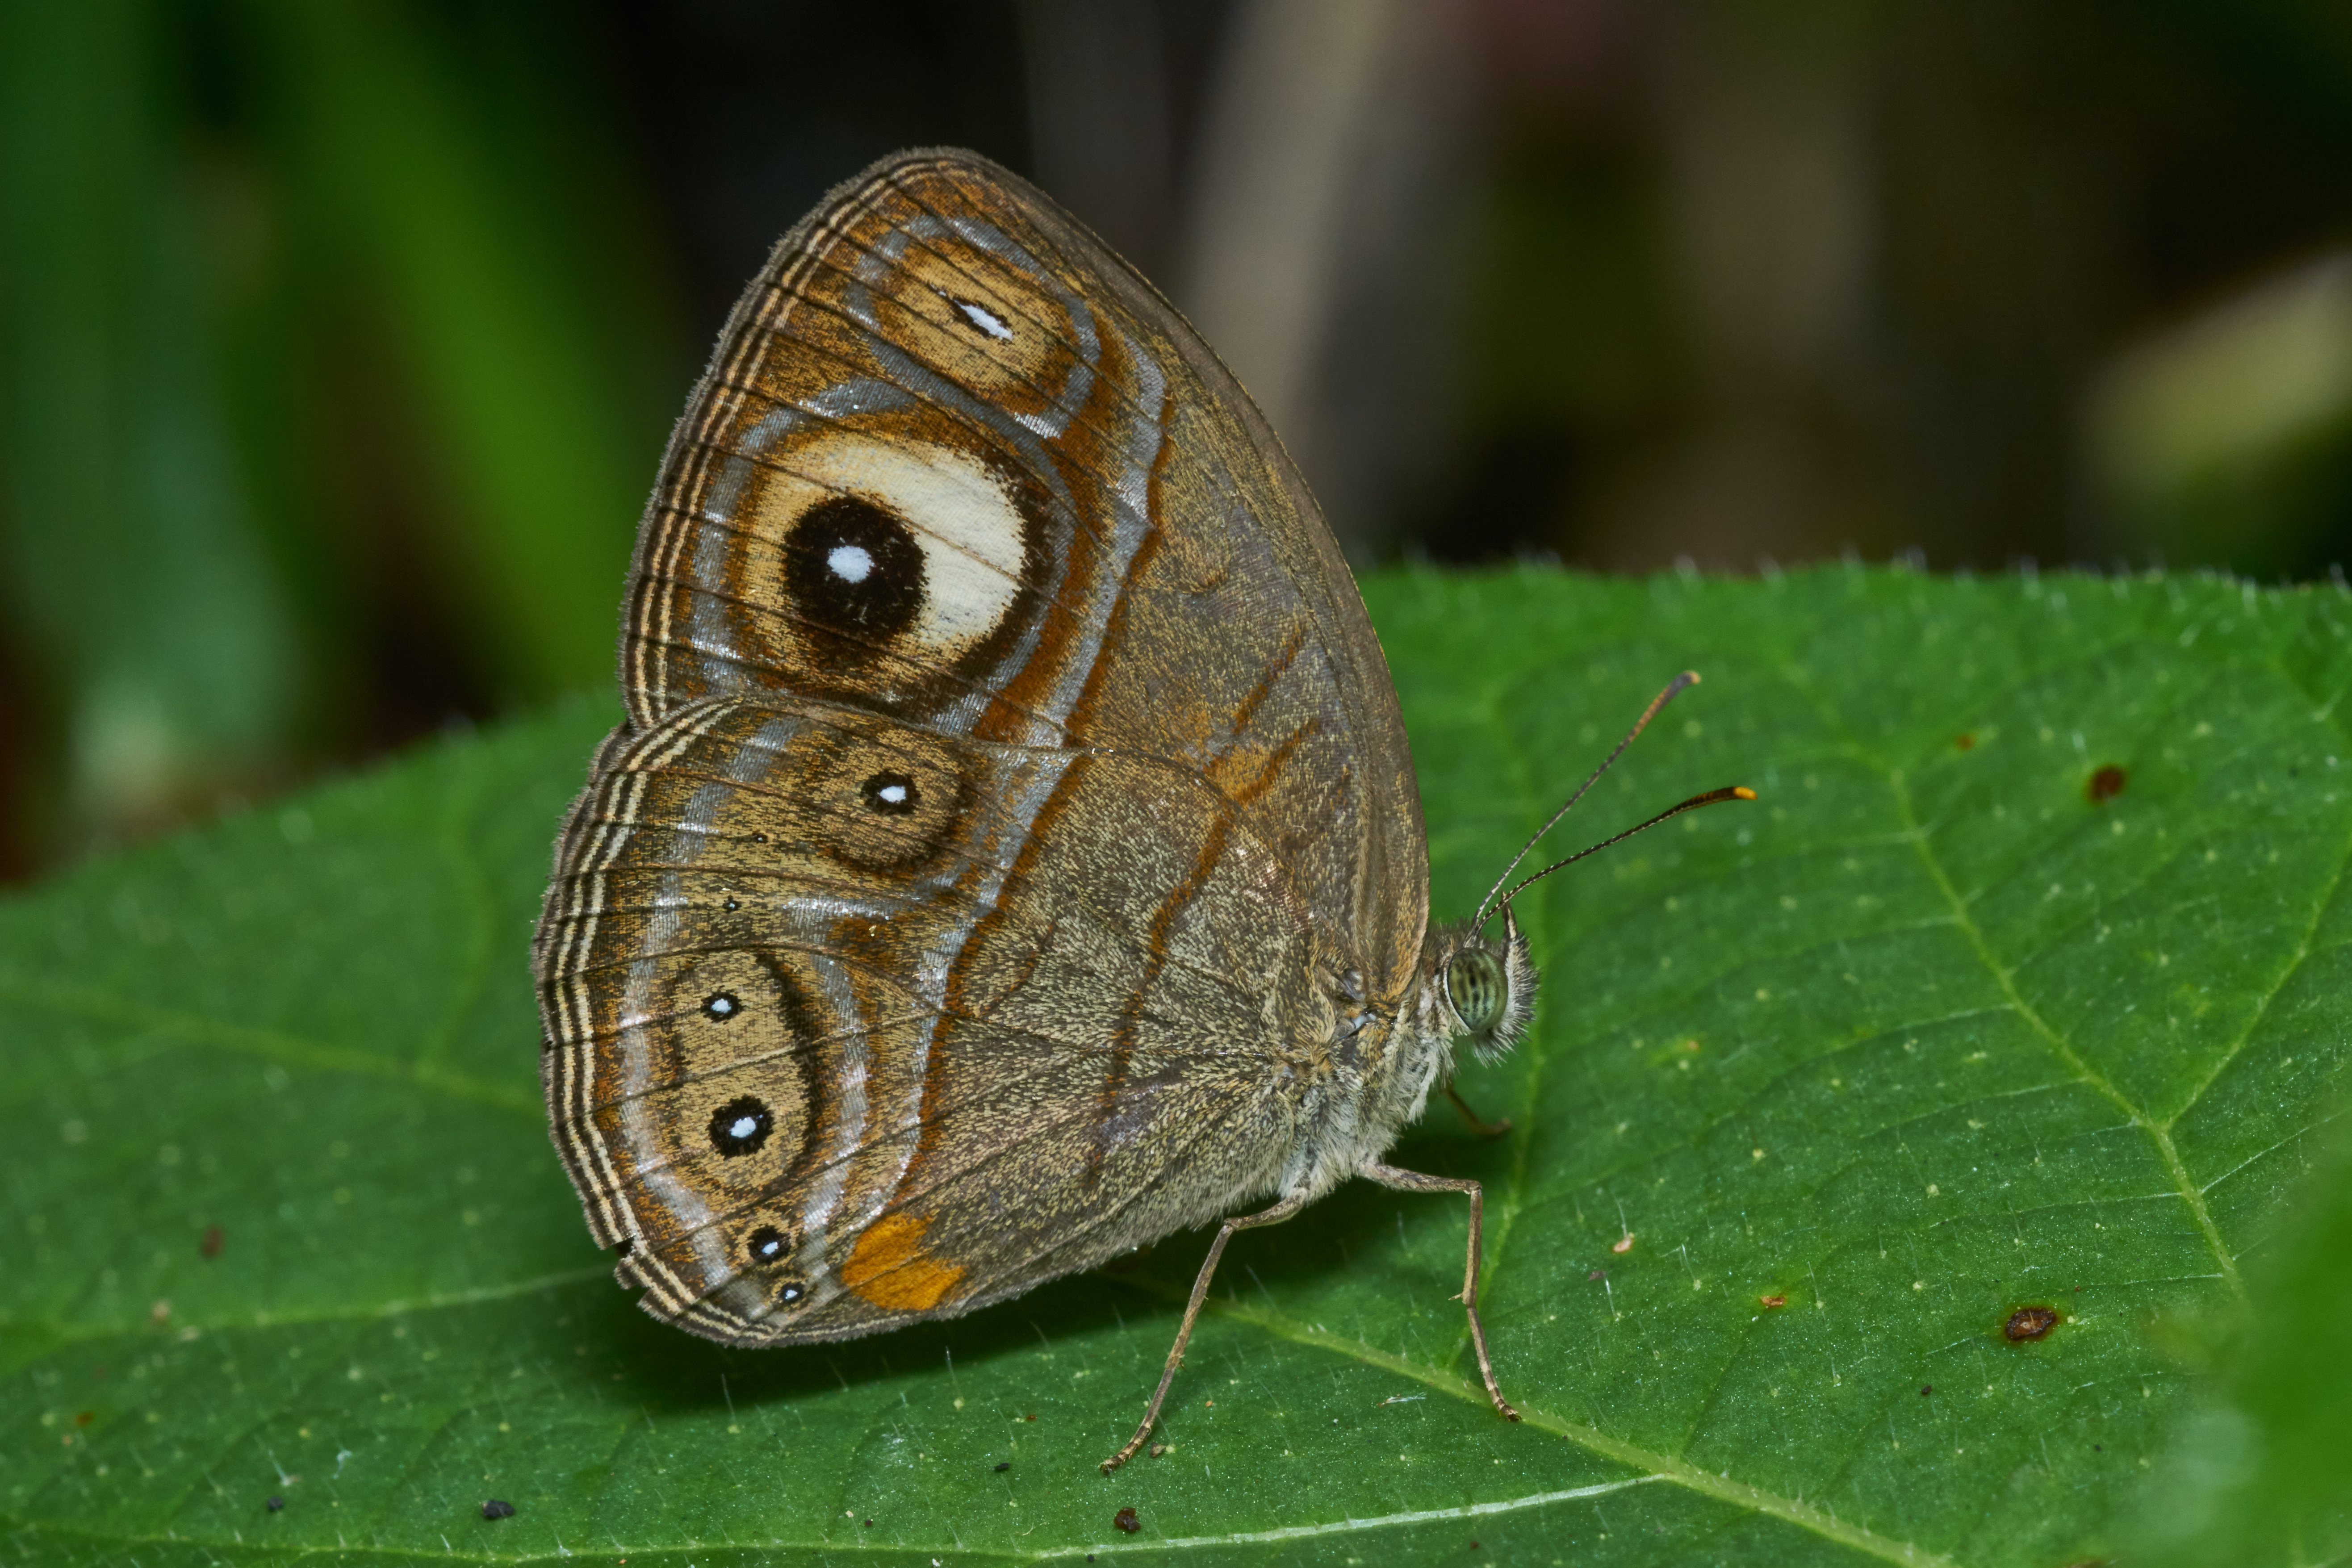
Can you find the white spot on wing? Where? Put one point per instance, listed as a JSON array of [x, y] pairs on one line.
[[962, 520], [985, 320], [895, 794]]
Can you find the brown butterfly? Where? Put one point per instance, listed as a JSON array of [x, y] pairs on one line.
[[1011, 853]]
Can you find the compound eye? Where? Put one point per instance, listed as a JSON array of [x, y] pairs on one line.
[[1475, 988]]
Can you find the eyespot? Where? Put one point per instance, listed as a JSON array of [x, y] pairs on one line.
[[789, 1291], [768, 1245], [855, 570], [1475, 985], [982, 319], [893, 794], [721, 1005], [740, 1126]]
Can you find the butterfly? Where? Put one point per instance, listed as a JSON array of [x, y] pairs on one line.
[[1011, 854]]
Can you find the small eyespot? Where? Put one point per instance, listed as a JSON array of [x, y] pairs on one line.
[[758, 839], [1475, 985], [769, 1245], [732, 905], [721, 1005], [740, 1126], [893, 794], [789, 1291], [982, 320]]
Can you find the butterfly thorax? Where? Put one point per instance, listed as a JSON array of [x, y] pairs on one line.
[[1381, 1063]]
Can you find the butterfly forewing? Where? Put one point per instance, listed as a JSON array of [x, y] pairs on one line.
[[1011, 783]]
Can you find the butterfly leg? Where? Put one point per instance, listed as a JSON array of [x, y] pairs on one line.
[[1274, 1215], [1415, 1181], [1478, 1124]]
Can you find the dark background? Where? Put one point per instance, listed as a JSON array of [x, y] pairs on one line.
[[338, 342]]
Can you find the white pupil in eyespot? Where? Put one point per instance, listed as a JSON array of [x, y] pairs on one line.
[[985, 320], [742, 1127], [850, 562], [895, 794]]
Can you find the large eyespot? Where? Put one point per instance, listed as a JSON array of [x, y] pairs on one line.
[[855, 570], [1475, 988], [884, 551], [768, 1245], [740, 1126]]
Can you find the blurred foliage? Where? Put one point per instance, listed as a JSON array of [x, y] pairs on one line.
[[2263, 1468], [338, 355], [338, 342]]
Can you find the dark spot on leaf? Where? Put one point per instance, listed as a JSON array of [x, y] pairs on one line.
[[84, 1418], [1773, 1300], [1596, 1274], [1125, 1521], [496, 1507], [1003, 1466], [213, 1238], [1028, 1419], [274, 1504], [2029, 1323], [2098, 1448], [2105, 785], [869, 1524], [1963, 742], [1927, 1388]]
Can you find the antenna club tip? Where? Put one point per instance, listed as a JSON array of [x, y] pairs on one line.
[[1741, 792], [1690, 678]]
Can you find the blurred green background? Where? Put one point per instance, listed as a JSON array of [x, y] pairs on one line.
[[341, 340]]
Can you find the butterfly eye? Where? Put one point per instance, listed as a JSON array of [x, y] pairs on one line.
[[1475, 985]]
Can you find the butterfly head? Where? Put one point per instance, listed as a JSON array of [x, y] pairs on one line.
[[1489, 985]]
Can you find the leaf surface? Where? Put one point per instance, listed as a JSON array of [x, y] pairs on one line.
[[1822, 1092]]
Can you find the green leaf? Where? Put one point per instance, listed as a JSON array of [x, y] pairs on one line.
[[1933, 1032]]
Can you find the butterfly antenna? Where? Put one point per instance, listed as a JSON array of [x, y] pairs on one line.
[[1712, 797], [1674, 688]]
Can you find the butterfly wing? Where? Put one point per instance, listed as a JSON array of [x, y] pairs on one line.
[[1012, 795]]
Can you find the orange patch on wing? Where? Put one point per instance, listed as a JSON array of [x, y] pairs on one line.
[[890, 1267]]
